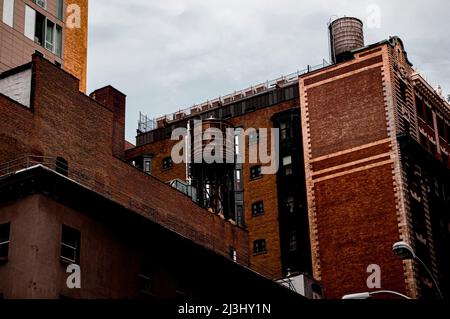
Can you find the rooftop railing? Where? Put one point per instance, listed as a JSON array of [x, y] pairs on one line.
[[146, 124]]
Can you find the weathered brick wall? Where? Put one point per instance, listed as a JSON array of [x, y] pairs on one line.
[[76, 42], [264, 189], [64, 122], [349, 132]]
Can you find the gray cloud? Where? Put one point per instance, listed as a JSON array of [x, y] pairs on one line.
[[169, 54]]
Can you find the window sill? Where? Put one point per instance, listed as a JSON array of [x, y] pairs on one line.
[[256, 178], [260, 253]]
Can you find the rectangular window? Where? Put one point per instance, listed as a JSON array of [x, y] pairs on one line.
[[8, 12], [238, 180], [259, 246], [287, 165], [255, 172], [70, 245], [290, 204], [146, 278], [258, 209], [293, 241], [419, 106], [58, 41], [147, 165], [30, 22], [285, 131], [4, 242], [441, 127], [429, 117], [403, 91], [167, 163], [49, 35], [240, 216], [60, 9]]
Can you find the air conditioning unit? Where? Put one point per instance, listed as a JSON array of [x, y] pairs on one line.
[[304, 285]]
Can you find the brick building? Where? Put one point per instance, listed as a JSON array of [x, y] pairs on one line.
[[371, 139], [68, 197], [40, 25]]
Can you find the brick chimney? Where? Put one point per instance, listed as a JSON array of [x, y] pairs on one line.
[[115, 101]]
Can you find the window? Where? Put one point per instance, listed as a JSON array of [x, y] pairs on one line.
[[285, 131], [146, 278], [233, 254], [4, 242], [419, 106], [43, 31], [258, 208], [240, 216], [293, 241], [253, 138], [259, 246], [238, 180], [255, 172], [8, 12], [403, 91], [147, 165], [287, 165], [41, 3], [60, 9], [70, 245], [441, 127], [429, 117], [167, 163], [290, 204]]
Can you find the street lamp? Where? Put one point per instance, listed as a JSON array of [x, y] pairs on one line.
[[405, 252], [367, 295]]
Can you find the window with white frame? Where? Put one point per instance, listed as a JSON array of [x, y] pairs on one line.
[[70, 245], [43, 31], [8, 12]]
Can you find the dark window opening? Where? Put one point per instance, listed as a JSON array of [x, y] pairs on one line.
[[259, 246], [293, 241], [167, 163], [285, 131], [70, 245], [420, 110], [255, 172], [258, 209], [39, 31], [429, 117], [146, 278], [403, 91], [441, 128], [62, 166], [287, 165], [290, 204], [4, 242], [240, 216]]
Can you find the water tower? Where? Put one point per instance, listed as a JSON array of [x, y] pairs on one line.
[[213, 179], [346, 35]]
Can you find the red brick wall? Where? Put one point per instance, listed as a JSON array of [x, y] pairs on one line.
[[349, 155], [265, 189], [67, 123]]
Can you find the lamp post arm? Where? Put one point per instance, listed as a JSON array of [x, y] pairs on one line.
[[432, 277]]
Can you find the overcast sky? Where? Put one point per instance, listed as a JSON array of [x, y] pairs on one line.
[[167, 55]]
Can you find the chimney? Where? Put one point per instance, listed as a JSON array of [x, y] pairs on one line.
[[115, 101]]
